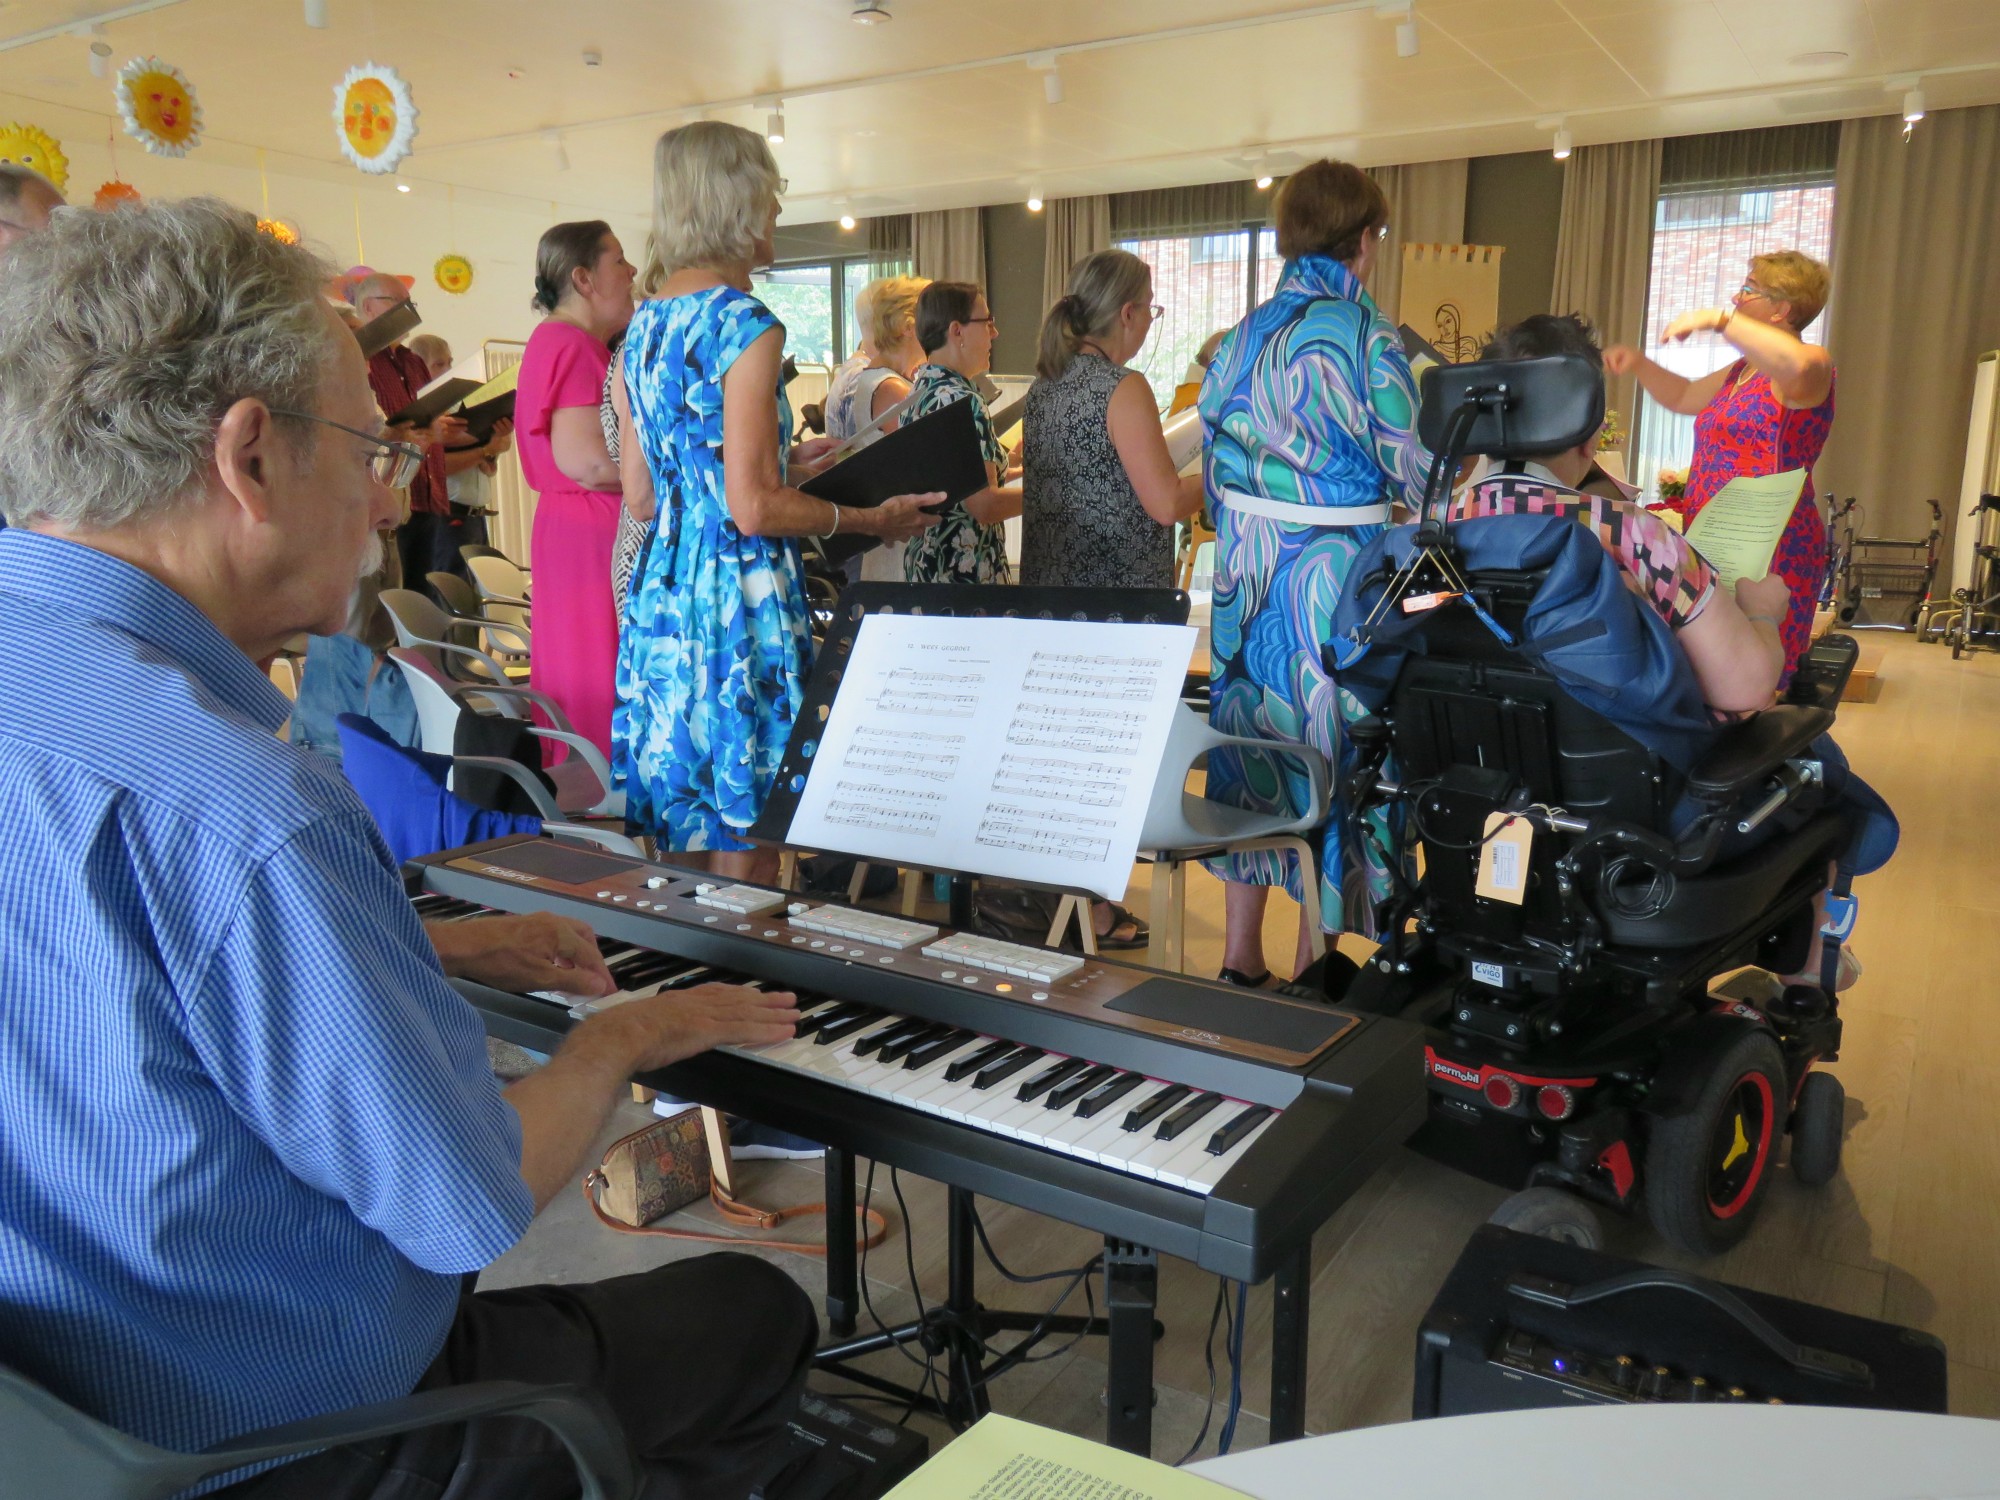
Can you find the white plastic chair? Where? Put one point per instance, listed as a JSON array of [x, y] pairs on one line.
[[1181, 828], [504, 585], [508, 640], [424, 628], [582, 782]]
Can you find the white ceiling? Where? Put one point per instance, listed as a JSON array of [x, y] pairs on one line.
[[941, 108]]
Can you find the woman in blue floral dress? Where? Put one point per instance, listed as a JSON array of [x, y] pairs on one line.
[[712, 661], [1310, 415], [956, 330]]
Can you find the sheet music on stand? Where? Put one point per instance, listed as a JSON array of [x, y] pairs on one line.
[[1017, 748]]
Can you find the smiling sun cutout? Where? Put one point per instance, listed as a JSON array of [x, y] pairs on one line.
[[34, 148], [160, 109], [453, 273], [376, 116]]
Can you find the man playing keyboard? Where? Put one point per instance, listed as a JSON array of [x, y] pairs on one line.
[[250, 1142]]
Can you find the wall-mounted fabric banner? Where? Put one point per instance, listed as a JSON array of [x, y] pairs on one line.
[[1451, 295]]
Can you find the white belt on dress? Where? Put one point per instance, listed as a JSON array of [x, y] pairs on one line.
[[1306, 515]]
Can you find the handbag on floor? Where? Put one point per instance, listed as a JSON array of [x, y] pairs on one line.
[[671, 1163]]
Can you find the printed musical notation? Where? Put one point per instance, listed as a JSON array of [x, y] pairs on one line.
[[1088, 783], [1020, 749], [1048, 831], [1080, 727]]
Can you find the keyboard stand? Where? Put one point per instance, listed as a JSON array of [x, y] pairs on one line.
[[959, 1327]]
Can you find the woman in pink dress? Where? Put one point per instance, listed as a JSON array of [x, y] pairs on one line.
[[1767, 413], [584, 284]]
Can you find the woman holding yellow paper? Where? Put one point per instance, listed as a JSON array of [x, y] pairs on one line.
[[1767, 413]]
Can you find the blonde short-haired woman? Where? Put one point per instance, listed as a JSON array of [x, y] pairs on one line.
[[886, 309], [1768, 412], [715, 648]]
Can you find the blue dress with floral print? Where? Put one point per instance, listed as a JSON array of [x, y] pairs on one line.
[[715, 648]]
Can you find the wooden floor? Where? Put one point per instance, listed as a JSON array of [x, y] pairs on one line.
[[1909, 1231]]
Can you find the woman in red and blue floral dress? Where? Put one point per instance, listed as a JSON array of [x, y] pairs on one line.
[[1767, 413]]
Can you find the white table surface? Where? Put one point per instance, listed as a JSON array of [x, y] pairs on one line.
[[1641, 1452]]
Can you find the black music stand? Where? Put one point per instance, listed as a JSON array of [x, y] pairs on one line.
[[958, 1328]]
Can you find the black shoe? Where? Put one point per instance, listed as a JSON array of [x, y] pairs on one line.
[[1244, 981]]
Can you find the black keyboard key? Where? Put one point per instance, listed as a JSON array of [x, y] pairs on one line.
[[944, 1046], [1108, 1094], [889, 1033], [815, 1021], [699, 974], [1050, 1078], [1156, 1105], [1066, 1094], [1236, 1129], [864, 1016], [1007, 1067], [909, 1041], [1186, 1115], [973, 1062]]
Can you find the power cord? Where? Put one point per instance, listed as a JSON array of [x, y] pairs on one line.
[[1228, 1436], [926, 1364], [1208, 1358]]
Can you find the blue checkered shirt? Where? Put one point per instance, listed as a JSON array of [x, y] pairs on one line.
[[248, 1137]]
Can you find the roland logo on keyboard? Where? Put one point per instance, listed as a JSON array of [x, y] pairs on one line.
[[517, 876], [1198, 1036]]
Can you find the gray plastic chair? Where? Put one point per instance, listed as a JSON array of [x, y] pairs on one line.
[[422, 627], [52, 1450], [583, 782], [510, 644], [1181, 827]]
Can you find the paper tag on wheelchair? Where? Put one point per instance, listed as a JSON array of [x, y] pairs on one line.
[[1503, 858]]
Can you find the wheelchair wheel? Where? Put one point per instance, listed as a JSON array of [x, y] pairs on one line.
[[1818, 1123], [1706, 1169], [1552, 1214]]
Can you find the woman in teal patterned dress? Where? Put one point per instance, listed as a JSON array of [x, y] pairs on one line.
[[956, 331], [712, 659], [1310, 415]]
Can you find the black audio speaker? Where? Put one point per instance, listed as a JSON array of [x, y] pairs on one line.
[[1526, 1322]]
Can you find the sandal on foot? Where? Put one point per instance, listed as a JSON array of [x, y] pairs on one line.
[[1243, 981], [1125, 932]]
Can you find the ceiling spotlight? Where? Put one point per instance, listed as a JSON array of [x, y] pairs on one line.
[[1034, 203], [1407, 43], [847, 221], [774, 125], [1263, 181], [1052, 86], [100, 53], [1913, 106], [593, 57], [870, 13], [557, 150], [1564, 143], [316, 14]]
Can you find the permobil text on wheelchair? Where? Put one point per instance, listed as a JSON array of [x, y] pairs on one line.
[[1597, 852]]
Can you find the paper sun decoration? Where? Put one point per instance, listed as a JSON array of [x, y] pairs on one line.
[[376, 116], [160, 109], [116, 193], [453, 273], [32, 147]]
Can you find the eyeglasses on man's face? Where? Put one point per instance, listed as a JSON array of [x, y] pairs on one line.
[[1750, 292], [391, 465]]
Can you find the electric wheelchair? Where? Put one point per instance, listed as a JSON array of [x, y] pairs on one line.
[[1596, 853]]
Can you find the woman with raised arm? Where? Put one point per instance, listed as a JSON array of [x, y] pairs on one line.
[[712, 664], [1768, 412]]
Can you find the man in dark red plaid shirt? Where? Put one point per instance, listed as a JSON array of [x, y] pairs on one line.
[[397, 374]]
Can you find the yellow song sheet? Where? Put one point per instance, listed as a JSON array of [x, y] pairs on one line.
[[1001, 1458], [1738, 530]]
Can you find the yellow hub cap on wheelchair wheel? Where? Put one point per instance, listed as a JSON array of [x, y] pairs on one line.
[[1738, 1147]]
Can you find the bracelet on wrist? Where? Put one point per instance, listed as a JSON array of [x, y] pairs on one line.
[[836, 522]]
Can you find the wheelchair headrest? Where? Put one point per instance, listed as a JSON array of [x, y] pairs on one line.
[[1528, 408]]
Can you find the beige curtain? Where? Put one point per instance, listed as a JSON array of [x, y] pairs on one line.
[[1075, 227], [1184, 210], [1604, 245], [1916, 259], [1426, 207], [889, 246], [949, 245]]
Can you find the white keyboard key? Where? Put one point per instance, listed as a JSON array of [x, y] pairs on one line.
[[1203, 1177]]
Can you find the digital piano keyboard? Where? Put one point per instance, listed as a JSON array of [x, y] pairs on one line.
[[1204, 1121]]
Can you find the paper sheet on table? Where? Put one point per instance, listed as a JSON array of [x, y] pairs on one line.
[[1018, 749], [1738, 530], [1001, 1458]]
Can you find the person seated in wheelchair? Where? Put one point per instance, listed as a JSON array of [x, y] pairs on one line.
[[1730, 635]]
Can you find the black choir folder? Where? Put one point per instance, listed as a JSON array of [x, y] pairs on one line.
[[939, 451]]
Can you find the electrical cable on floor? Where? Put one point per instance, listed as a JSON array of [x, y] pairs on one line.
[[1008, 1359], [923, 1315], [1235, 1369], [925, 1364], [1208, 1357], [1019, 1279]]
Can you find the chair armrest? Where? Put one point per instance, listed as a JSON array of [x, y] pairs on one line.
[[604, 838], [579, 1418], [557, 718], [499, 674], [1747, 752], [491, 626], [520, 775], [1317, 777], [585, 751], [508, 599]]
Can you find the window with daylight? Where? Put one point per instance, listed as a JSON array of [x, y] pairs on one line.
[[1206, 282], [1723, 199], [815, 302]]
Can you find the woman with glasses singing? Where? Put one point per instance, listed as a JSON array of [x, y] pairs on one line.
[[1310, 418], [955, 329], [1099, 493], [1767, 413]]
